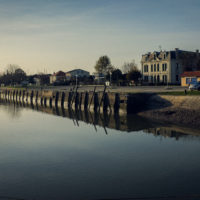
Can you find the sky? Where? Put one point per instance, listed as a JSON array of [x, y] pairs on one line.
[[49, 35]]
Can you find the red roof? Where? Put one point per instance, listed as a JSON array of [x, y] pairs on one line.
[[191, 74], [60, 73]]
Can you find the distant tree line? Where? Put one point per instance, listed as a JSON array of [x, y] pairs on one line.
[[129, 73], [13, 75]]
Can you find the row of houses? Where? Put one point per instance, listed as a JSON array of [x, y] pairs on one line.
[[61, 76], [169, 66], [164, 67]]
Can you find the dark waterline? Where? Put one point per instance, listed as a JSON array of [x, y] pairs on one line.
[[44, 156]]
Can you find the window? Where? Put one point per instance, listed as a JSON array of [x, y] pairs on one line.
[[158, 67], [154, 67], [146, 68], [164, 67], [151, 68]]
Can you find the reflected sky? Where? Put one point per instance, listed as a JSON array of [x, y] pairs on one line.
[[44, 156]]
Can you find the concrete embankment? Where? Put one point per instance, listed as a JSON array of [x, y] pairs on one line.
[[183, 110], [100, 101]]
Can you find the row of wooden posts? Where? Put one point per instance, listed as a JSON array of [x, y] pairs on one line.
[[96, 101]]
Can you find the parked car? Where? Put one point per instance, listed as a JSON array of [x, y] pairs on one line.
[[195, 86]]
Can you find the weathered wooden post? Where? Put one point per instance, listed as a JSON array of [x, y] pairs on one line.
[[86, 101], [27, 95], [45, 101], [31, 97], [62, 99], [105, 102], [23, 95], [96, 101], [16, 95], [19, 95], [50, 102], [117, 103], [36, 97], [56, 99], [80, 100], [13, 97], [76, 101]]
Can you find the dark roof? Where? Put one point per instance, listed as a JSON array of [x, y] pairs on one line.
[[173, 54], [191, 74], [76, 70], [59, 73]]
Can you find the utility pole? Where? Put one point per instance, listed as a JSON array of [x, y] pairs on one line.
[[76, 80], [110, 78]]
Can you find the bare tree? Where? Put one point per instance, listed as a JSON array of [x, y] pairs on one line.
[[11, 68], [129, 66]]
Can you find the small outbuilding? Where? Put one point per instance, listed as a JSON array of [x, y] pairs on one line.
[[57, 77], [190, 77]]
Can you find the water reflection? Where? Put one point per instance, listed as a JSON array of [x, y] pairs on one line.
[[124, 123], [13, 110], [44, 156]]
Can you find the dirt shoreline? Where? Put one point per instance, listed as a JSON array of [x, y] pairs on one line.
[[179, 116]]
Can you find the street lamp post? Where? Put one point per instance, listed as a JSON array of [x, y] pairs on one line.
[[110, 78], [76, 80]]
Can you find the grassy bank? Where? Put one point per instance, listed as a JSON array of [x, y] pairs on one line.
[[180, 93]]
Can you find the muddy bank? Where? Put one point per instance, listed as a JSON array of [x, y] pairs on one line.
[[181, 110], [180, 116]]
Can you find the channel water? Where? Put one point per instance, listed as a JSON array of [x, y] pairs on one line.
[[57, 154]]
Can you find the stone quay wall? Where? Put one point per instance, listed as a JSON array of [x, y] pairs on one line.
[[94, 101]]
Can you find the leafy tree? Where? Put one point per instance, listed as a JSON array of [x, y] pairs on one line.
[[129, 66], [103, 64], [134, 75], [19, 75], [117, 75]]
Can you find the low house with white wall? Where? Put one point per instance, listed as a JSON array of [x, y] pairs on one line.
[[58, 77]]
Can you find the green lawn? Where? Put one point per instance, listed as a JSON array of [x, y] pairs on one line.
[[180, 93]]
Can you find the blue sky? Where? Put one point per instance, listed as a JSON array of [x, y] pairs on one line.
[[66, 34]]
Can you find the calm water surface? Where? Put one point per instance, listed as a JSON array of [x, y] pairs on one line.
[[44, 156]]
